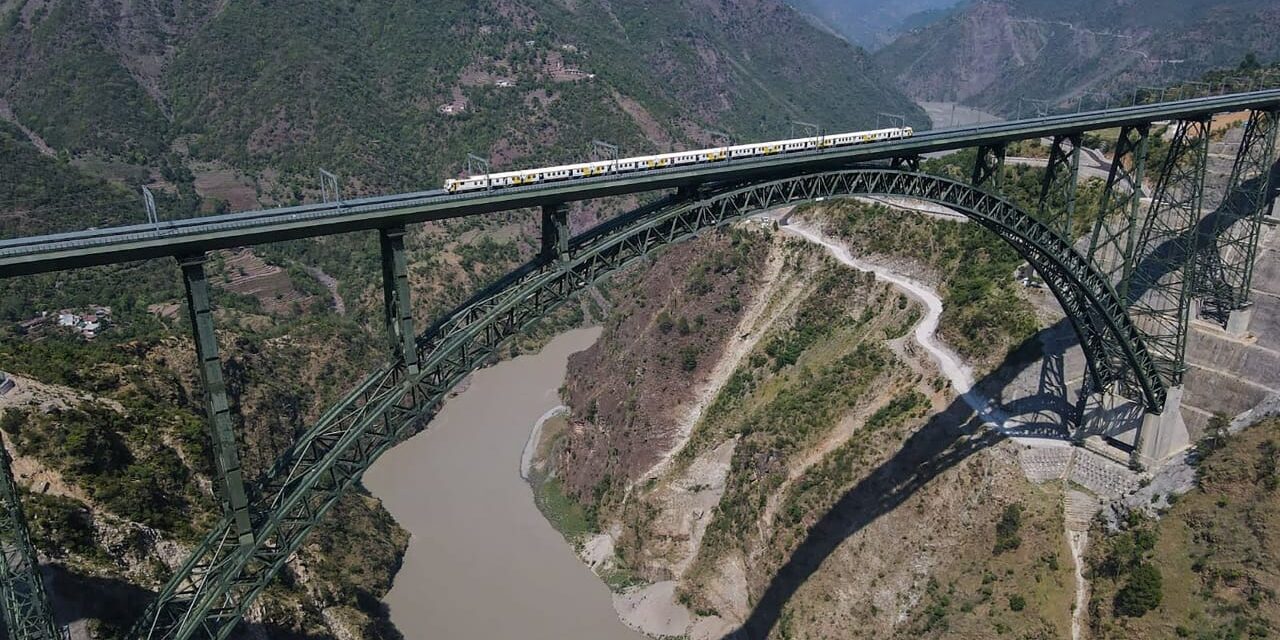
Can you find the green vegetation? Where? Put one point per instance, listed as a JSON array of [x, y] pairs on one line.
[[1204, 570], [570, 518], [1007, 538], [94, 445]]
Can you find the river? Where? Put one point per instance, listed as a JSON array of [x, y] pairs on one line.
[[482, 562]]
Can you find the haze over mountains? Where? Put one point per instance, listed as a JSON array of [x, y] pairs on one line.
[[872, 24], [992, 52]]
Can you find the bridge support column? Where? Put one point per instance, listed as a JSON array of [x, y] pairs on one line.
[[1058, 190], [226, 459], [1116, 230], [1163, 281], [988, 169], [396, 306], [1161, 434], [24, 604], [555, 231], [1227, 257]]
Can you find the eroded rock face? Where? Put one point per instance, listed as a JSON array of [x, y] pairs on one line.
[[807, 492]]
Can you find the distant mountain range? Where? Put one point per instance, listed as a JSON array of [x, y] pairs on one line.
[[992, 52], [875, 23]]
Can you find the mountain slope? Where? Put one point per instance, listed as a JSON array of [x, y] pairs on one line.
[[994, 52], [395, 94]]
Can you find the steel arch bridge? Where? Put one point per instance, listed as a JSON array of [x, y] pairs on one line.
[[1126, 291], [212, 590]]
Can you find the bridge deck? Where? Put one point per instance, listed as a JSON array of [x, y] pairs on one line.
[[40, 254]]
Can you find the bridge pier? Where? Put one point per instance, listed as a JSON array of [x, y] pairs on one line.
[[988, 168], [1058, 188], [1238, 321], [555, 231], [226, 459], [397, 310], [1162, 434]]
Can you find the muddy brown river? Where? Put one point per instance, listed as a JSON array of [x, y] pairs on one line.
[[482, 562]]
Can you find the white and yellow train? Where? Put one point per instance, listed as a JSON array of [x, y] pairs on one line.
[[664, 160]]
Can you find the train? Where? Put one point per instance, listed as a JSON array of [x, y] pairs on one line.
[[664, 160]]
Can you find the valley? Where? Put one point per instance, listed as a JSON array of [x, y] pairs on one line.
[[851, 416]]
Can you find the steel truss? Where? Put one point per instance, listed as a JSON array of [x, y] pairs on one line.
[[26, 612], [1226, 257], [1058, 188], [1115, 232], [214, 587], [1160, 286]]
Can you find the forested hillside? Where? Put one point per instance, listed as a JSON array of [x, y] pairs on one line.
[[994, 52], [395, 94]]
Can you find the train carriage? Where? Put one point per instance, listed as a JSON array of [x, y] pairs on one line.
[[664, 160]]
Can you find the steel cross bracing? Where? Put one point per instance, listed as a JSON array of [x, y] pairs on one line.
[[1115, 232], [26, 612], [214, 587], [1058, 187], [1160, 288], [1226, 258]]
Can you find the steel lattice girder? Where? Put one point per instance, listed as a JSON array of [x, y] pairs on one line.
[[1116, 230], [1058, 188], [1160, 287], [214, 587], [26, 611], [1227, 255]]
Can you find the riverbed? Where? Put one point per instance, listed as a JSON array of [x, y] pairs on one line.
[[482, 562]]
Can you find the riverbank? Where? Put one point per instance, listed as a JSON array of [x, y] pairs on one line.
[[482, 562]]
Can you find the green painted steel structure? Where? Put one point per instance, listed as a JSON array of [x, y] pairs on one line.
[[212, 590], [26, 613]]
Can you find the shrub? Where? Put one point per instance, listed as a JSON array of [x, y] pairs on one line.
[[1142, 593], [689, 358], [1007, 538], [1017, 602]]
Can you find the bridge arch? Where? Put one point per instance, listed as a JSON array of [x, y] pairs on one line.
[[212, 590]]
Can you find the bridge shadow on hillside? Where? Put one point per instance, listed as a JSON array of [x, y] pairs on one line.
[[1234, 207], [946, 440], [956, 433]]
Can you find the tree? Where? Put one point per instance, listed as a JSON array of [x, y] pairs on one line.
[[1142, 593], [1250, 62], [1007, 538]]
